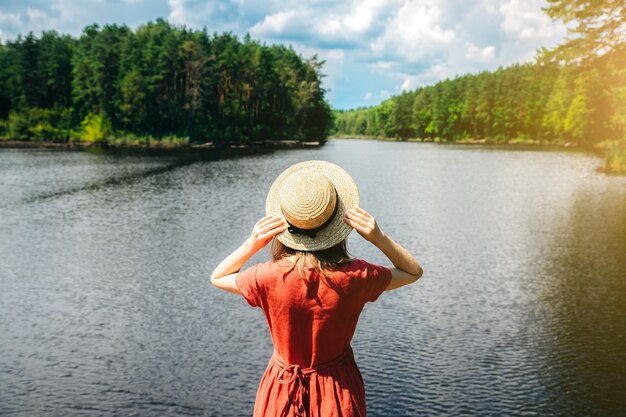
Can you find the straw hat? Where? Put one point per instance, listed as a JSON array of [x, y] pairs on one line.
[[313, 196]]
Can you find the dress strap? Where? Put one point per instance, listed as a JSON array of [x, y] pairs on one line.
[[297, 380]]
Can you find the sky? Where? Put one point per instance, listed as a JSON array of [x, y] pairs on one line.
[[373, 48]]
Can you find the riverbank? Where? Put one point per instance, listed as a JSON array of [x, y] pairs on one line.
[[613, 152], [466, 141], [161, 145]]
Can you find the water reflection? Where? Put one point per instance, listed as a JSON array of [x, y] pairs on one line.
[[585, 289]]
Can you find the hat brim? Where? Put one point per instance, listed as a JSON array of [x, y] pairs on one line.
[[337, 230]]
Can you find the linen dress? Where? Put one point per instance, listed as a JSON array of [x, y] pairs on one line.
[[312, 371]]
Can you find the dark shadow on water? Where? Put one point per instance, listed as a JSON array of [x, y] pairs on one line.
[[180, 158], [108, 182], [585, 322]]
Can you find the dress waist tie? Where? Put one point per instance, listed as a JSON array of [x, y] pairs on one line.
[[298, 388]]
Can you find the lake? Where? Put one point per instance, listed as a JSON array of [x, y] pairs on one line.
[[106, 306]]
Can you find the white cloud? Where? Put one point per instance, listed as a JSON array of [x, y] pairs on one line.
[[360, 21], [285, 24], [336, 55], [368, 96], [490, 7], [483, 55], [222, 16], [524, 20], [363, 14], [411, 82], [38, 18], [9, 18], [434, 73], [278, 23], [71, 16], [177, 11], [29, 20], [348, 23], [413, 32], [384, 65], [191, 13]]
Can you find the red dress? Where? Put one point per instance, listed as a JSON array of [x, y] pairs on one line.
[[312, 371]]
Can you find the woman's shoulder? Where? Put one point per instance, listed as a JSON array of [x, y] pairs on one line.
[[370, 279], [270, 269], [359, 266], [265, 268], [356, 267]]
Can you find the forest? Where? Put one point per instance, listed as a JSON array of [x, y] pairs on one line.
[[572, 95], [158, 84], [540, 102]]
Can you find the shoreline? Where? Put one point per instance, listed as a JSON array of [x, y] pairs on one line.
[[488, 142], [613, 158], [285, 144], [270, 144]]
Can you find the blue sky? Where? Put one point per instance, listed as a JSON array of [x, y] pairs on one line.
[[372, 48]]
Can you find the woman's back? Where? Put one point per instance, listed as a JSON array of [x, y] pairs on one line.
[[312, 320], [311, 208]]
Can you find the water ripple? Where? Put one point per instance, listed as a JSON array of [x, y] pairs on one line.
[[107, 308]]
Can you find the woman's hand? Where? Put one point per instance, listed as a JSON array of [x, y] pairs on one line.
[[225, 274], [364, 223], [407, 269], [264, 230]]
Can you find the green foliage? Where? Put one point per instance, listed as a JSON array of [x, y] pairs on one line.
[[4, 130], [35, 73], [596, 28], [37, 124], [173, 140], [95, 128], [556, 109], [616, 111], [19, 124], [161, 81], [127, 139], [386, 118], [579, 121], [615, 161], [534, 102]]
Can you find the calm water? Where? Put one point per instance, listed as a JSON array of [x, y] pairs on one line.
[[106, 307]]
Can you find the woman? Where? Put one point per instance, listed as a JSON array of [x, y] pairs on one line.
[[312, 292]]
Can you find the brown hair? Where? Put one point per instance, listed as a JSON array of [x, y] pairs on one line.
[[323, 261]]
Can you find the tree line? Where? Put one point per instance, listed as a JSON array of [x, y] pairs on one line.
[[158, 81], [543, 101], [574, 94]]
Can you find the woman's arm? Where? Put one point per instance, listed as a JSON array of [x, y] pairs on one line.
[[407, 270], [264, 230]]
